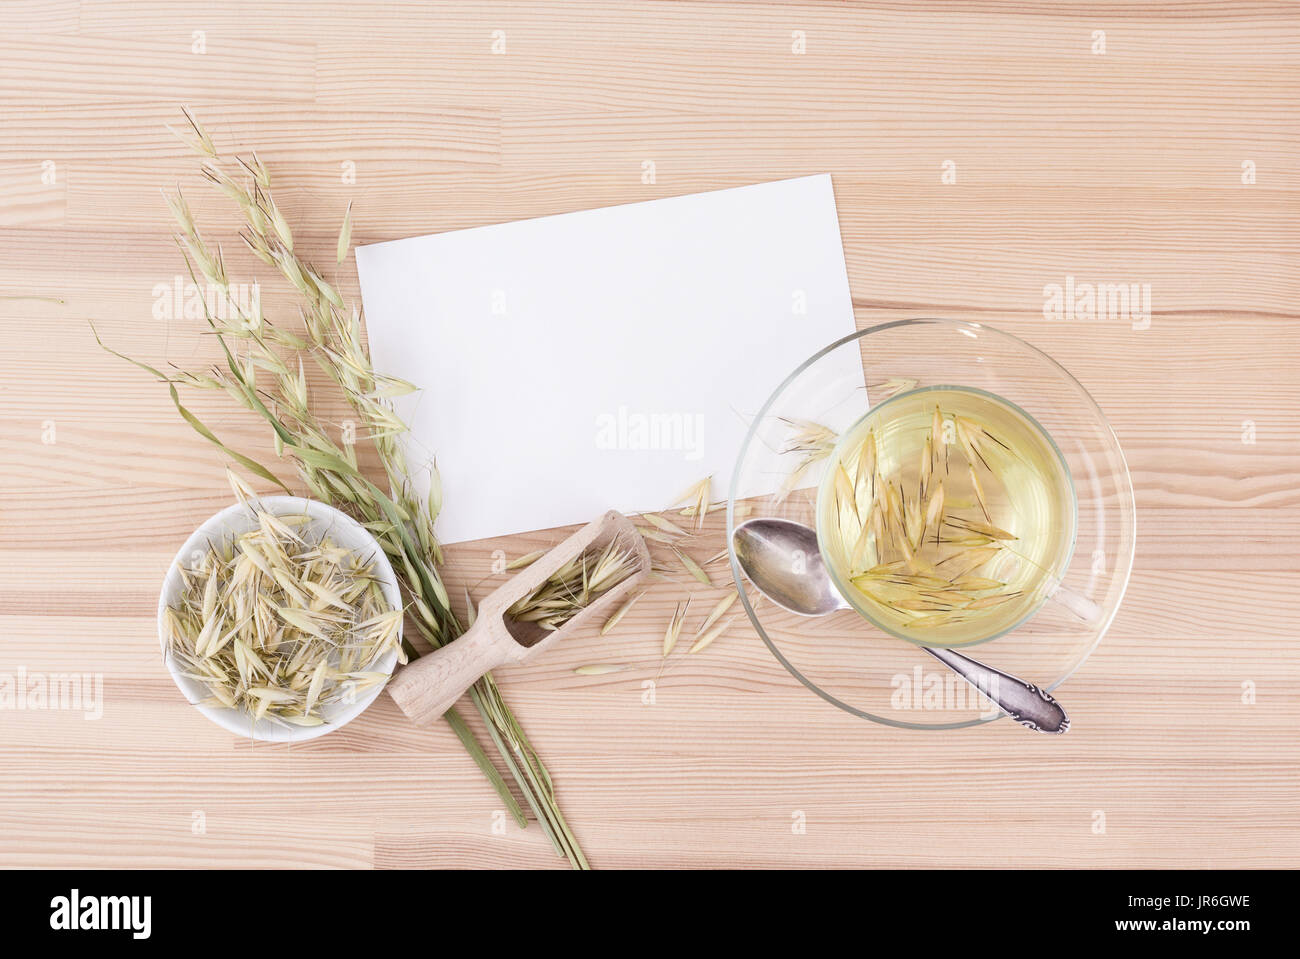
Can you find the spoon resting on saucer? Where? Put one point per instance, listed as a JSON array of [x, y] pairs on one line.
[[766, 549]]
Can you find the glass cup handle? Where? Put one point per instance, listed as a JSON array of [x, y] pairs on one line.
[[1083, 607]]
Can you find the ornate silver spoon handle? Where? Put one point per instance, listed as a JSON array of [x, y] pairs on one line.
[[1024, 702]]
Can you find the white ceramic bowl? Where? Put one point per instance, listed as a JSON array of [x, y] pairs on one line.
[[237, 519]]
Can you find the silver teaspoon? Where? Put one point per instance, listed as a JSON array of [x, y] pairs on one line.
[[767, 550]]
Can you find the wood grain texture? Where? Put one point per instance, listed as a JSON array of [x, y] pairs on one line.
[[1125, 166]]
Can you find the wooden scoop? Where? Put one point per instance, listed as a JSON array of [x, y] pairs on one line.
[[431, 685]]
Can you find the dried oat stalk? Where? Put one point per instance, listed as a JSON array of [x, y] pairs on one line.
[[262, 369]]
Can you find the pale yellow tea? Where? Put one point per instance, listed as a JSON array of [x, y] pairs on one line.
[[946, 515]]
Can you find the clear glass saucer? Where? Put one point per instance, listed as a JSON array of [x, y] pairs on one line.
[[845, 658]]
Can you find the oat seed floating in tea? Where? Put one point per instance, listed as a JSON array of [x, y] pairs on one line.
[[947, 515], [581, 580]]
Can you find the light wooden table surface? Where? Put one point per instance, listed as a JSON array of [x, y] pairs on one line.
[[1168, 158]]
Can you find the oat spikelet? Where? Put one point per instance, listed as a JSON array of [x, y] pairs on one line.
[[812, 441], [526, 560], [982, 529], [674, 630], [988, 602], [934, 512], [721, 607], [979, 493], [666, 526], [927, 465], [619, 613], [698, 500], [345, 235], [693, 567], [600, 669], [977, 583], [706, 639], [891, 387], [968, 560]]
